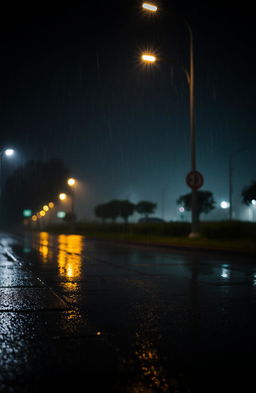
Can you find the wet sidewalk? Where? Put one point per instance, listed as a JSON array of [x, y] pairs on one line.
[[43, 341]]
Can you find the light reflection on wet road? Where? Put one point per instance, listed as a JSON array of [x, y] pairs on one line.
[[167, 321]]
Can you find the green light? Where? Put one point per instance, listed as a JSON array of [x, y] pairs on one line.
[[61, 214], [27, 213]]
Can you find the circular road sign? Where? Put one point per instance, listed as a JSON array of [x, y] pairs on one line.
[[194, 180]]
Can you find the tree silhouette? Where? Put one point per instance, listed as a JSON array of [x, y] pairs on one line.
[[205, 202], [115, 208], [101, 212], [249, 194], [146, 208], [126, 209]]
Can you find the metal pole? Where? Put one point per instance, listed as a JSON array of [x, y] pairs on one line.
[[1, 172], [72, 208], [230, 175], [230, 181], [191, 80]]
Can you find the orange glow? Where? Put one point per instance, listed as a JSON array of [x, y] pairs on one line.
[[71, 182], [70, 256], [62, 196], [42, 213], [51, 205], [149, 7], [44, 245], [46, 208], [148, 57], [34, 218]]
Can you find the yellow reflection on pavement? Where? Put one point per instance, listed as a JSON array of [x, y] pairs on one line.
[[44, 245], [70, 256]]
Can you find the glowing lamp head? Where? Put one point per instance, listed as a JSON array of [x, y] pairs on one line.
[[149, 7], [148, 58], [45, 208], [9, 152], [51, 205], [71, 182], [62, 196], [42, 213], [225, 205], [253, 201]]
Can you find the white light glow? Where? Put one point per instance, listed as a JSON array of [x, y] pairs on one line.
[[9, 152], [149, 7], [62, 196], [225, 205], [71, 182], [148, 58]]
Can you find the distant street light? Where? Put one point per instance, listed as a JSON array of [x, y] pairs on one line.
[[191, 83], [72, 182], [62, 196], [149, 7], [148, 58], [225, 205], [8, 153]]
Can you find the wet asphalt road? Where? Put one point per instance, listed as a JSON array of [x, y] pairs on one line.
[[123, 319]]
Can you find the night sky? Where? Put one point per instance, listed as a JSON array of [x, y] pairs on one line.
[[73, 87]]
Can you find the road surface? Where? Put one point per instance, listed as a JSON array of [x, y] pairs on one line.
[[123, 319]]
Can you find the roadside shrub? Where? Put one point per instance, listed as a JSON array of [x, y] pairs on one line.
[[228, 230]]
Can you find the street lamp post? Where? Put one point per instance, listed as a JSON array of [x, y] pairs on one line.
[[72, 183], [8, 153], [190, 76], [230, 180]]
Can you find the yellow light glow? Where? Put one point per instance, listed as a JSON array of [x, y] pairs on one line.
[[149, 58], [51, 205], [62, 196], [42, 213], [71, 182], [70, 256], [34, 218], [45, 208], [44, 245], [149, 7]]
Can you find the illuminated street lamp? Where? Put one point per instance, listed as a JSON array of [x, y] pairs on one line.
[[225, 205], [149, 7], [148, 58], [72, 182], [9, 152], [62, 196], [191, 83], [5, 152]]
